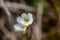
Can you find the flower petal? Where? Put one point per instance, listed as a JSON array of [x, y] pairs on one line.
[[23, 15], [20, 20], [30, 21], [16, 27], [29, 15], [19, 27]]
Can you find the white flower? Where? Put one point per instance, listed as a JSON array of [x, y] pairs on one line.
[[19, 27], [25, 19]]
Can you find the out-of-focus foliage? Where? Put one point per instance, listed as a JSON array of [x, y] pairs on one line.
[[32, 2], [44, 25], [45, 28], [51, 22], [54, 36], [45, 11]]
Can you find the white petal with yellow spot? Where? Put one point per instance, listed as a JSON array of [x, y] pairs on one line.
[[19, 27]]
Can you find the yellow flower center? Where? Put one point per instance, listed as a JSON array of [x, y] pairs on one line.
[[21, 28], [26, 20]]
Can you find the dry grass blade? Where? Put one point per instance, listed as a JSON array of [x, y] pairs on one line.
[[37, 31], [14, 5]]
